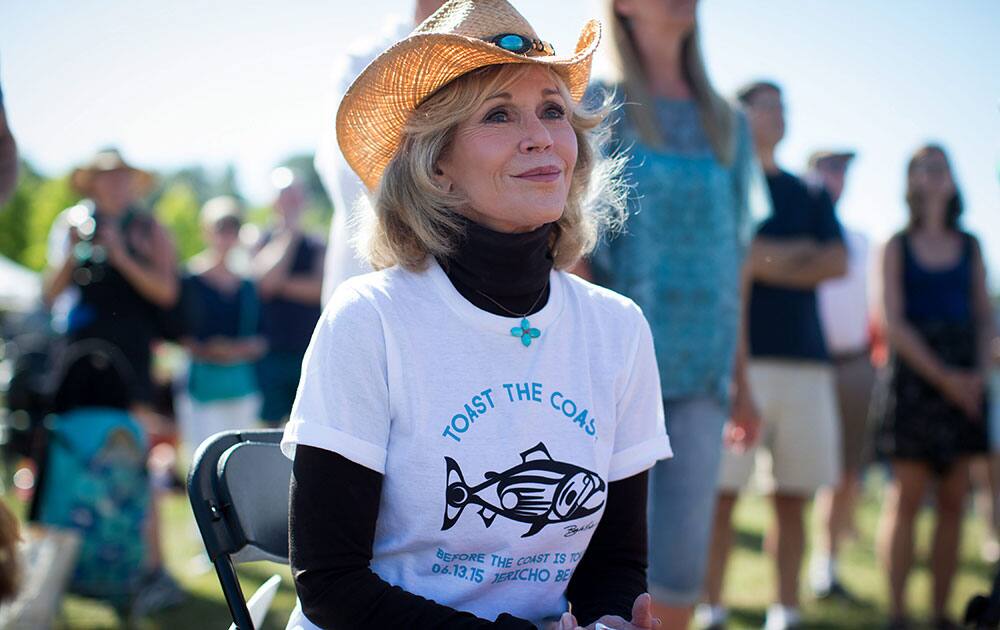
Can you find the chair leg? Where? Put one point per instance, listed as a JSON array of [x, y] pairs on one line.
[[233, 593]]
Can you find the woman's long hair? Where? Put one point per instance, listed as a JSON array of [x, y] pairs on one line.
[[717, 116], [915, 201]]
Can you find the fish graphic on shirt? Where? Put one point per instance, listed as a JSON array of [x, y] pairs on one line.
[[538, 491]]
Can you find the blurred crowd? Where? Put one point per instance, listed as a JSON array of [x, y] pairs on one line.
[[795, 355]]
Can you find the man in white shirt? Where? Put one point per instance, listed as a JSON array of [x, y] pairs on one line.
[[844, 316], [342, 185]]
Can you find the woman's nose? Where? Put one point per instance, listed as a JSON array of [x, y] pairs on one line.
[[536, 135]]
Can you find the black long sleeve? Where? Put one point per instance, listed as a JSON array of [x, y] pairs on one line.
[[334, 507], [612, 572]]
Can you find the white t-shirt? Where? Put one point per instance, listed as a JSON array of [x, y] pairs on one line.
[[342, 184], [496, 456], [843, 301]]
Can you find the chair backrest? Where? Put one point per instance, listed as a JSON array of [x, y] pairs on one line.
[[238, 486]]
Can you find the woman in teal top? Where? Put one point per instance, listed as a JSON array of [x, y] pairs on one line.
[[690, 162]]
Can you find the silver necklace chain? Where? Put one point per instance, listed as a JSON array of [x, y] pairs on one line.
[[507, 310]]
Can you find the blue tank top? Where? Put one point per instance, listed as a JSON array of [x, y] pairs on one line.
[[287, 324], [938, 295]]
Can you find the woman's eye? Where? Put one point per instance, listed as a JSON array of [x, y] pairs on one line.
[[497, 116], [554, 111]]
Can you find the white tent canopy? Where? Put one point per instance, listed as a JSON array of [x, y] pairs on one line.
[[20, 287]]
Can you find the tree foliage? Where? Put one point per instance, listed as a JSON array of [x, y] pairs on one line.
[[25, 220]]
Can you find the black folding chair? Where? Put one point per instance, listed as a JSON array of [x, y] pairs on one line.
[[238, 486]]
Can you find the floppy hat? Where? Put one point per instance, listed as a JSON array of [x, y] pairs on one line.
[[108, 161], [461, 36]]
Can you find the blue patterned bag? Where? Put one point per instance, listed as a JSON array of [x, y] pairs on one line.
[[95, 482]]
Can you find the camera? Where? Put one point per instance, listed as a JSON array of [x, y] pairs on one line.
[[90, 255]]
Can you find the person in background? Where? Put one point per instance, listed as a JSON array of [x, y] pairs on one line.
[[940, 325], [690, 159], [341, 183], [221, 311], [986, 471], [112, 276], [845, 318], [288, 270], [118, 263], [799, 246], [11, 569], [8, 156]]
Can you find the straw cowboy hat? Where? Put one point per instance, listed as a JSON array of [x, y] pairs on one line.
[[461, 36], [108, 161]]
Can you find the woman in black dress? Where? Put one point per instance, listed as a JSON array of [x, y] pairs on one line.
[[939, 324]]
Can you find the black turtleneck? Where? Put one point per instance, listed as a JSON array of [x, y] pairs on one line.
[[332, 525], [513, 269]]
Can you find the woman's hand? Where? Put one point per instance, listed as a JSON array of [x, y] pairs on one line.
[[743, 428], [642, 619], [964, 389], [110, 237]]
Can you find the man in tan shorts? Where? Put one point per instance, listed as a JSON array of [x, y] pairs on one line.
[[795, 249]]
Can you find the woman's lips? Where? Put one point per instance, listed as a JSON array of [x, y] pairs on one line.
[[541, 174]]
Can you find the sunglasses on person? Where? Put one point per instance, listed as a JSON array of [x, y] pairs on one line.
[[930, 168], [230, 225]]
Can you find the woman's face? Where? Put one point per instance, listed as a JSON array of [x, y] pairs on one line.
[[674, 15], [766, 114], [113, 191], [224, 235], [931, 178], [513, 159]]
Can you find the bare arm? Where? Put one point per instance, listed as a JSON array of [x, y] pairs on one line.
[[8, 160], [60, 274], [58, 280], [273, 263], [226, 350], [796, 263], [309, 289], [744, 426], [982, 311], [155, 281]]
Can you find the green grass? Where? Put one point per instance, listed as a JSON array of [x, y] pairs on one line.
[[748, 586]]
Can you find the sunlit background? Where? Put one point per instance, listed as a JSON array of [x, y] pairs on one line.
[[240, 82]]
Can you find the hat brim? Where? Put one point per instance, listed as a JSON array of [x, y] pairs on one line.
[[374, 112], [82, 179]]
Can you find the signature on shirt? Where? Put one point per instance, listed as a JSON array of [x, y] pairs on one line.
[[572, 530], [539, 491]]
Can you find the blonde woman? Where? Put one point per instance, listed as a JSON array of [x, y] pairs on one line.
[[690, 160], [474, 425]]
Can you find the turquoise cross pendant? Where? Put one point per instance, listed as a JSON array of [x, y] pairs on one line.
[[525, 332]]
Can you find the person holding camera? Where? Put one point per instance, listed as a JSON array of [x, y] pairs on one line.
[[114, 267]]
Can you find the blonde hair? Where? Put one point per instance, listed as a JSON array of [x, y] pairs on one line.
[[717, 116], [415, 218]]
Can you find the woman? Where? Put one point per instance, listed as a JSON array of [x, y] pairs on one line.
[[487, 418], [116, 264], [690, 159], [939, 325], [221, 313]]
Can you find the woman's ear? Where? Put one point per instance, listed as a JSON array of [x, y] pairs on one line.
[[622, 7], [443, 181]]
